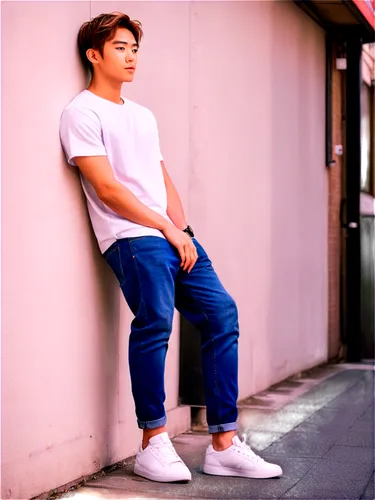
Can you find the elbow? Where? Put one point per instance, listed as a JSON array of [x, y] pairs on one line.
[[105, 191]]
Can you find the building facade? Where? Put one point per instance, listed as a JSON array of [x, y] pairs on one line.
[[239, 90]]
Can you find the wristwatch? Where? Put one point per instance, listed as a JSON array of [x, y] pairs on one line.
[[188, 230]]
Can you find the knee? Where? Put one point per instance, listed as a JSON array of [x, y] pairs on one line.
[[153, 335], [162, 324], [227, 314], [159, 318], [154, 326], [232, 311]]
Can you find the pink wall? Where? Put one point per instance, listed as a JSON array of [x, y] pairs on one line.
[[67, 405], [240, 106], [260, 186]]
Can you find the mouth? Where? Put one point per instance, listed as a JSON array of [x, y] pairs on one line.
[[131, 68]]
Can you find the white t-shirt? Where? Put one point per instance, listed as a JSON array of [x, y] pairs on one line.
[[128, 135]]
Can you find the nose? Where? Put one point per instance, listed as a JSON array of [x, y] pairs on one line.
[[130, 57]]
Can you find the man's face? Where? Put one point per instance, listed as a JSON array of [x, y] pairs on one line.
[[120, 56]]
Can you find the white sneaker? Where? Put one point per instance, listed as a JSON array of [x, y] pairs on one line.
[[238, 460], [160, 462]]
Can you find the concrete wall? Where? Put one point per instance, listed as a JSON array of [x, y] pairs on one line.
[[258, 170], [238, 91], [67, 405]]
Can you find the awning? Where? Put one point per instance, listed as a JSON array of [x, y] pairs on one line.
[[367, 8], [337, 15]]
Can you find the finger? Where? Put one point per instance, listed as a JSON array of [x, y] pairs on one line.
[[193, 255], [194, 260], [181, 251], [188, 258]]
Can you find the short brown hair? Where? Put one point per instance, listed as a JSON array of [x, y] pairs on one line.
[[101, 29]]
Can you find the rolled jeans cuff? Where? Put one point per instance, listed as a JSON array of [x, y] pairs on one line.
[[212, 429], [152, 424]]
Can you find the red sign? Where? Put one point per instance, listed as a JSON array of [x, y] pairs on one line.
[[367, 7]]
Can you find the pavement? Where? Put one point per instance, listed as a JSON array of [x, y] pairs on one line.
[[320, 429]]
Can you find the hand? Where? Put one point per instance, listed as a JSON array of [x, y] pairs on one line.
[[184, 245]]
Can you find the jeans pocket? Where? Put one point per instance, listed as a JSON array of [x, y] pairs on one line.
[[113, 257]]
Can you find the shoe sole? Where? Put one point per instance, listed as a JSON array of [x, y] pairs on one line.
[[227, 471], [140, 471]]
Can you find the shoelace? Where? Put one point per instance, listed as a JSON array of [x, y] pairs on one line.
[[247, 451], [167, 453]]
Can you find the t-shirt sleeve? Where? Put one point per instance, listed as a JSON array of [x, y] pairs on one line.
[[81, 134]]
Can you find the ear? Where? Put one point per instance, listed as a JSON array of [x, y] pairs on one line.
[[93, 56]]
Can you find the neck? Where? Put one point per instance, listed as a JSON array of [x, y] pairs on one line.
[[107, 90]]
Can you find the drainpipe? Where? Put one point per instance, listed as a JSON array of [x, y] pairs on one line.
[[353, 187]]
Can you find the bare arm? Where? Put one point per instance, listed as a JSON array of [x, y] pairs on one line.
[[97, 170], [175, 210]]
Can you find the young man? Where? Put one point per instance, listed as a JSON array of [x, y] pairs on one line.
[[139, 222]]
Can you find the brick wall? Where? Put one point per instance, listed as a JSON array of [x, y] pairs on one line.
[[334, 232]]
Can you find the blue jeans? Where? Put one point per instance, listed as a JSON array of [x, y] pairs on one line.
[[149, 274]]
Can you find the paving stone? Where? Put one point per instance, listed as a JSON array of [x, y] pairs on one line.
[[342, 474], [329, 420], [320, 439], [269, 420], [329, 390], [368, 415], [204, 486], [369, 491], [362, 393], [302, 408], [313, 444], [360, 434], [111, 492], [328, 426], [260, 440], [351, 454]]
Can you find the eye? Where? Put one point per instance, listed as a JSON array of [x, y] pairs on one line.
[[135, 51], [120, 48]]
